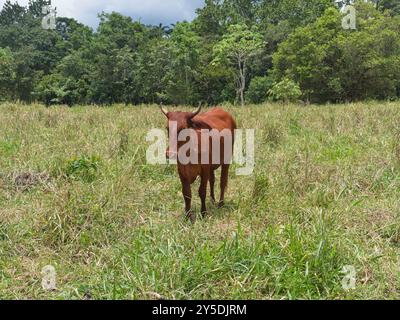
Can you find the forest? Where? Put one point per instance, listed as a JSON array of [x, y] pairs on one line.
[[234, 51]]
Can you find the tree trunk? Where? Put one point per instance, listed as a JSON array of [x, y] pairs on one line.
[[242, 96], [242, 80]]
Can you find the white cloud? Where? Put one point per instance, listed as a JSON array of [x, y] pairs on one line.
[[148, 11]]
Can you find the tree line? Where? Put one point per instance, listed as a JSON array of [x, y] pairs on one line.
[[238, 51]]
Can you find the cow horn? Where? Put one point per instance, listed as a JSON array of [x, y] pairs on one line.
[[163, 110], [196, 112]]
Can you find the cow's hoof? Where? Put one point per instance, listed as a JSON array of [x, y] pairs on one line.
[[191, 216], [221, 204]]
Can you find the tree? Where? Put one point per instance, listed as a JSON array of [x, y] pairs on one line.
[[236, 48], [258, 89], [36, 51], [296, 12], [35, 7], [7, 74], [333, 64], [286, 90], [241, 11], [116, 31], [209, 22], [392, 5], [12, 13], [74, 35], [50, 90], [152, 67], [182, 76], [124, 76], [113, 56]]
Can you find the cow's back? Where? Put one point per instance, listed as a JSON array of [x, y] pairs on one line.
[[217, 118], [220, 120]]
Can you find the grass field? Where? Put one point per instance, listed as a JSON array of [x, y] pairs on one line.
[[76, 193]]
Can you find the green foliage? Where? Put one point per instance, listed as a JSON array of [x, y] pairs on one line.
[[182, 74], [57, 89], [153, 66], [286, 90], [236, 48], [36, 51], [324, 194], [208, 22], [221, 56], [392, 5], [7, 74], [333, 64], [239, 44], [83, 168], [8, 148], [258, 89], [295, 12], [67, 85]]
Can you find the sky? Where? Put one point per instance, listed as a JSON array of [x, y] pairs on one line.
[[148, 11]]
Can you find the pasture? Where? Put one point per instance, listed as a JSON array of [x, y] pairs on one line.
[[76, 193]]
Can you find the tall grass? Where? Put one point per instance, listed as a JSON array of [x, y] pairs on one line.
[[324, 194]]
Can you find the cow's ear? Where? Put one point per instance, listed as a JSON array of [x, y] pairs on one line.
[[195, 124], [191, 124]]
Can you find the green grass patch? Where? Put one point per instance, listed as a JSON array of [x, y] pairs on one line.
[[324, 195]]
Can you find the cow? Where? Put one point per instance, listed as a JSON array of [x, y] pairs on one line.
[[213, 122]]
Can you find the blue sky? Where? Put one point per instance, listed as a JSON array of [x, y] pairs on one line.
[[148, 11]]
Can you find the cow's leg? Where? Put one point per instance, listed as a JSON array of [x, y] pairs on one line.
[[224, 183], [212, 185], [203, 191], [187, 195]]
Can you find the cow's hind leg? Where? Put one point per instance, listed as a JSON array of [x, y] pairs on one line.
[[203, 191], [224, 183], [212, 185]]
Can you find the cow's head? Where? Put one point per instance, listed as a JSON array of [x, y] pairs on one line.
[[177, 121]]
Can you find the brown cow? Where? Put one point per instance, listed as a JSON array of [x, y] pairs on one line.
[[217, 120]]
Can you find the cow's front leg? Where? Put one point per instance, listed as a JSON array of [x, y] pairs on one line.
[[203, 192]]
